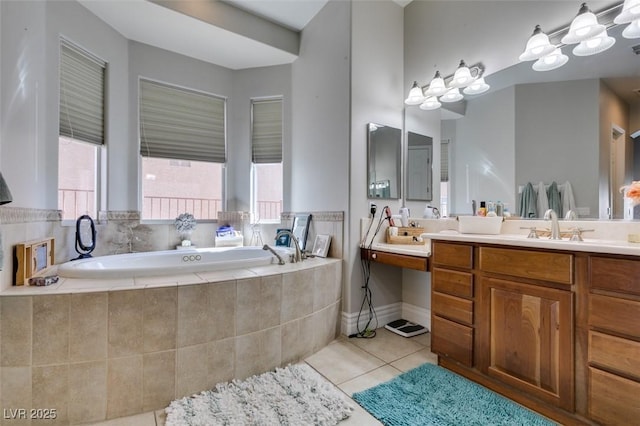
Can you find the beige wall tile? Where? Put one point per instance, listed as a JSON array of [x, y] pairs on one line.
[[50, 329], [160, 314], [222, 310], [88, 327], [258, 352], [50, 390], [15, 345], [221, 358], [192, 370], [324, 289], [259, 301], [15, 383], [297, 295], [124, 386], [297, 340], [193, 315], [87, 391], [126, 316], [158, 379]]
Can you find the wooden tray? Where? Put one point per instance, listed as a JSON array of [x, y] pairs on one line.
[[405, 236], [33, 258]]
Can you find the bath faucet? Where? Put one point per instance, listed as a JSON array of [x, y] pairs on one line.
[[298, 256], [555, 226], [280, 259], [571, 215], [436, 212]]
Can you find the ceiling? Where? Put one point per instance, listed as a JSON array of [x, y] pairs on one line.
[[291, 14]]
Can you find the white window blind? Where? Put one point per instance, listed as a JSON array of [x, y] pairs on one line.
[[266, 131], [179, 123], [444, 161], [81, 94]]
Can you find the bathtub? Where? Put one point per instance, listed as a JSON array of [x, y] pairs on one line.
[[170, 262]]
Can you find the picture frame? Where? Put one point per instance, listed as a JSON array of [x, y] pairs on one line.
[[321, 245], [283, 240], [301, 229]]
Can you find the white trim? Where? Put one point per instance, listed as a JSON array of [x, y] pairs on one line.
[[385, 315], [417, 314]]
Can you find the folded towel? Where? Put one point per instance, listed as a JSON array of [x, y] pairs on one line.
[[527, 202], [553, 196]]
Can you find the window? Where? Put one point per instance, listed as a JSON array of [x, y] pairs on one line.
[[183, 149], [266, 157], [81, 130], [444, 177]]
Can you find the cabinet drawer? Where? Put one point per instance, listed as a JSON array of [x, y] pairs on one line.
[[613, 314], [395, 259], [453, 308], [615, 274], [554, 267], [452, 340], [452, 282], [456, 255], [613, 400], [618, 354]]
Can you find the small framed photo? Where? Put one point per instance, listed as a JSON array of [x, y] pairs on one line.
[[321, 245]]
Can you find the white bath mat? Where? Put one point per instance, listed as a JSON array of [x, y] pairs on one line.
[[295, 395]]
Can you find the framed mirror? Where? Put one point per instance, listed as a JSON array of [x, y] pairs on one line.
[[419, 167], [301, 229], [383, 161]]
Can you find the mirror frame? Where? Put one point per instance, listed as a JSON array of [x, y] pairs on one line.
[[395, 192]]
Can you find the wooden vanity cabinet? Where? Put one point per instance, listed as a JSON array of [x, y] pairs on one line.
[[614, 340], [504, 317]]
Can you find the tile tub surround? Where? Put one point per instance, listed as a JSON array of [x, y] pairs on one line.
[[96, 353]]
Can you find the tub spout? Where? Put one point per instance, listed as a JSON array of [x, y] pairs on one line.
[[298, 257], [280, 259]]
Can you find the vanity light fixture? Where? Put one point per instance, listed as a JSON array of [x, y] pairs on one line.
[[595, 45], [632, 30], [416, 97], [583, 27], [469, 78]]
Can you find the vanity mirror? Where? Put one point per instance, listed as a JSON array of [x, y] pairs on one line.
[[571, 124], [419, 170], [383, 161]]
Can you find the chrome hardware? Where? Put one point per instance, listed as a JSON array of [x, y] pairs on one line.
[[298, 257], [555, 226], [533, 233], [280, 259], [576, 234]]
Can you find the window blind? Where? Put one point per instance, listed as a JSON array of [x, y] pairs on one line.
[[444, 160], [81, 94], [266, 131], [182, 124]]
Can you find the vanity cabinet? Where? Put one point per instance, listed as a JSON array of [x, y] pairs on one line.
[[504, 317], [614, 340]]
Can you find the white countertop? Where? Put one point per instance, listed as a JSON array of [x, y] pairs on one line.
[[422, 250], [518, 240]]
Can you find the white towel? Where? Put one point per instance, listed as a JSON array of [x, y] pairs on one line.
[[566, 197], [543, 201]]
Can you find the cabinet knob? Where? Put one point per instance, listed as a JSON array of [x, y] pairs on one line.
[[374, 255]]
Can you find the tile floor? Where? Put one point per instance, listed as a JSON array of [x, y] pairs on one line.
[[351, 364]]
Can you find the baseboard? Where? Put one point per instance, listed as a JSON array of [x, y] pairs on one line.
[[417, 314], [385, 315]]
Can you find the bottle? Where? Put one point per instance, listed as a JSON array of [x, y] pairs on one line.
[[499, 208], [482, 211]]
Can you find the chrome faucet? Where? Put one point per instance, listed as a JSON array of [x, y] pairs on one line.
[[436, 212], [571, 215], [298, 256], [280, 259], [555, 226]]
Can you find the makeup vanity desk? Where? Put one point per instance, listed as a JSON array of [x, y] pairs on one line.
[[402, 255]]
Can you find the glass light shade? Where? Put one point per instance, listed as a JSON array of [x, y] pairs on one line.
[[453, 95], [552, 61], [5, 192], [437, 86], [416, 97], [537, 46], [630, 12], [583, 27], [462, 77], [477, 87], [430, 103], [632, 30], [594, 45]]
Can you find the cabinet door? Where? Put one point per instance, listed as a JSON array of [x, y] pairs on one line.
[[530, 334]]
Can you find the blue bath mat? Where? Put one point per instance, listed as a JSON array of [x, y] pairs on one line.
[[430, 395]]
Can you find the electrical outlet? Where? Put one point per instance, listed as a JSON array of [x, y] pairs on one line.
[[372, 209]]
